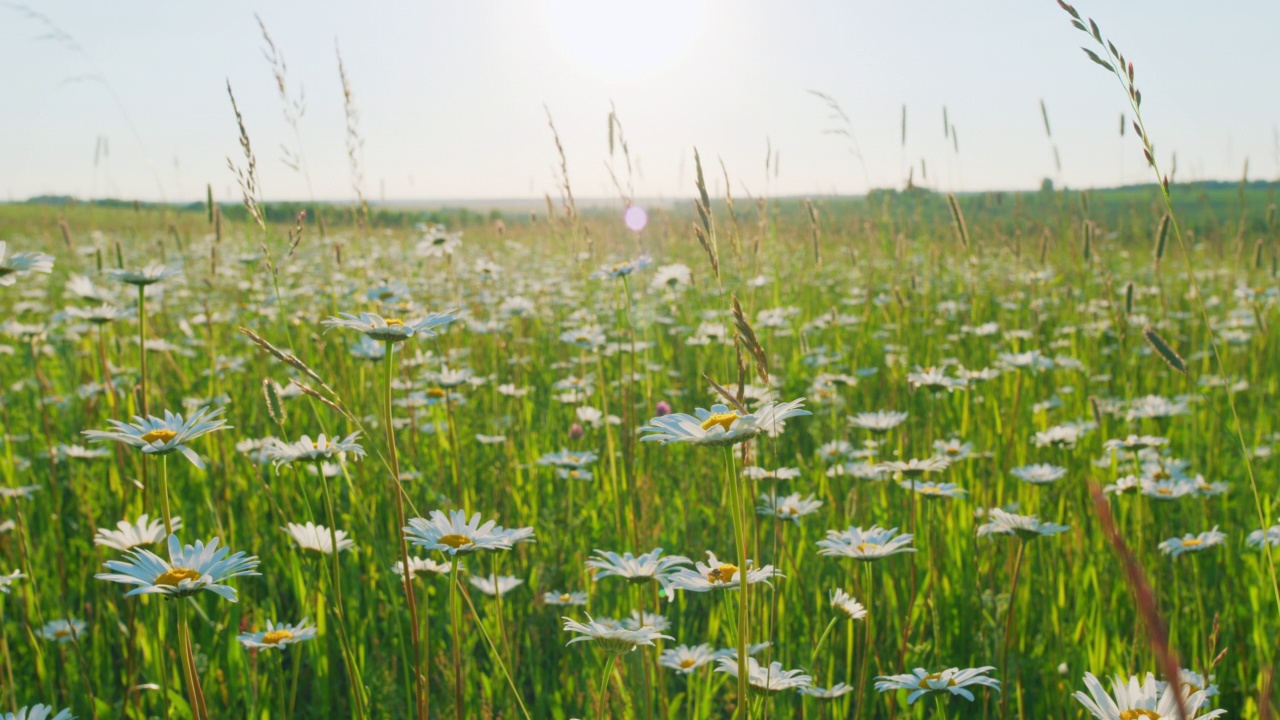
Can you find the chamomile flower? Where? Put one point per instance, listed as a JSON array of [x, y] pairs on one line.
[[1271, 536], [318, 539], [19, 264], [1026, 527], [306, 449], [914, 467], [873, 543], [454, 535], [933, 490], [647, 567], [496, 586], [1134, 443], [190, 569], [1134, 700], [1192, 682], [1039, 473], [100, 315], [879, 422], [612, 639], [831, 693], [1192, 542], [622, 269], [791, 507], [127, 536], [570, 460], [850, 608], [39, 712], [390, 330], [671, 277], [718, 575], [648, 619], [684, 659], [156, 436], [63, 631], [721, 426], [149, 275], [7, 580], [952, 680], [564, 598], [952, 450], [277, 637], [771, 679], [422, 566], [756, 472]]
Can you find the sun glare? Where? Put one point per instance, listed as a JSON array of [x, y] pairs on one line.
[[619, 40]]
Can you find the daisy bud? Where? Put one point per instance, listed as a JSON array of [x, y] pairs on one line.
[[663, 408], [576, 432]]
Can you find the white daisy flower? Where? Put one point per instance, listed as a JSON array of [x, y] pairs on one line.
[[318, 538], [791, 507], [419, 566], [19, 264], [278, 636], [844, 602], [914, 467], [613, 640], [39, 712], [156, 436], [149, 275], [878, 422], [306, 449], [496, 586], [564, 598], [390, 329], [454, 535], [1026, 527], [952, 680], [63, 631], [1039, 473], [650, 566], [720, 425], [1192, 542], [1271, 535], [10, 579], [1134, 700], [717, 575], [771, 679], [831, 693], [933, 490], [684, 659], [190, 569], [128, 536], [755, 472], [873, 543]]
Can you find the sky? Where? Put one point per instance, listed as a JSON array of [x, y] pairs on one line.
[[129, 100]]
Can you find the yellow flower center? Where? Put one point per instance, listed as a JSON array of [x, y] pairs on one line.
[[163, 435], [175, 576], [61, 633], [953, 451], [395, 321], [1193, 542], [1136, 713], [275, 637], [723, 574], [864, 547], [436, 393], [687, 663], [1164, 491], [455, 541], [566, 598], [724, 420], [924, 681]]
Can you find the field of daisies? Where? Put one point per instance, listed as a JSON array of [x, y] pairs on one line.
[[865, 459]]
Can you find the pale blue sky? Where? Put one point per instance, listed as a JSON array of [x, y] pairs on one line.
[[450, 94]]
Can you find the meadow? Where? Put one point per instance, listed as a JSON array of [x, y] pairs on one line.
[[968, 453]]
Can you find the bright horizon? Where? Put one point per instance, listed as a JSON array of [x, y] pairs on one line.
[[450, 97]]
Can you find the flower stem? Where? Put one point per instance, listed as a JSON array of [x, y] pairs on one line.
[[420, 677], [455, 620]]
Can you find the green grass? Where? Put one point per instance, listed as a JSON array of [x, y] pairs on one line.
[[890, 265]]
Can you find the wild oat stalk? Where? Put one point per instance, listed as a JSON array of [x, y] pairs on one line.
[[1123, 72]]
